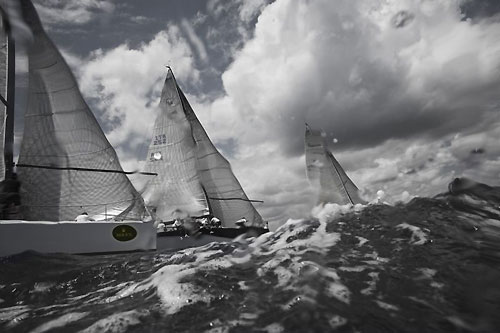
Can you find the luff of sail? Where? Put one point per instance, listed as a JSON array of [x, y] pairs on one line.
[[226, 197], [176, 190], [325, 173], [61, 131]]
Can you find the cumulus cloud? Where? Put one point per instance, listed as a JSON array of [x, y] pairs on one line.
[[195, 40], [382, 77], [125, 83], [391, 82], [56, 12]]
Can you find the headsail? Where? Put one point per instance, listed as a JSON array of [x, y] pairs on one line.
[[326, 174], [226, 197], [61, 131], [172, 155], [190, 168]]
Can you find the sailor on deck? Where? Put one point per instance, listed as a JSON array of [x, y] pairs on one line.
[[177, 223], [203, 222], [241, 223], [83, 217], [215, 222]]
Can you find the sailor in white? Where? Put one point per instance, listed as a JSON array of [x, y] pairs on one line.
[[241, 223], [178, 223], [203, 222], [83, 217], [215, 222]]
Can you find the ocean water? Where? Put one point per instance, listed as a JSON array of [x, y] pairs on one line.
[[431, 265]]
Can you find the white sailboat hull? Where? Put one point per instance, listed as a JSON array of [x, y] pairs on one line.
[[76, 238]]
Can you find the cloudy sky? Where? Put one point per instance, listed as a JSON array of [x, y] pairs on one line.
[[407, 91]]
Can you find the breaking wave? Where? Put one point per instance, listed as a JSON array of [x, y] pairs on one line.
[[428, 265]]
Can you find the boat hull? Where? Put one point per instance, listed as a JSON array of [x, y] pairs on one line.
[[178, 239], [77, 238]]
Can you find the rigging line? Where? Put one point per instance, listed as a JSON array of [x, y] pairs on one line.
[[222, 199], [84, 205], [3, 100], [85, 169]]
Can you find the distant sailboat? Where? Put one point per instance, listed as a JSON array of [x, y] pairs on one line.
[[66, 166], [325, 173], [193, 177]]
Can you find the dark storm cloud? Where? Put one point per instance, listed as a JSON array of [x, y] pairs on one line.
[[480, 8], [361, 82]]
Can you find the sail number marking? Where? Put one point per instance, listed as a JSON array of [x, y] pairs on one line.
[[160, 140]]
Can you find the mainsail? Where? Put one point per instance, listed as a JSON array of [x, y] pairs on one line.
[[61, 132], [325, 173], [222, 195]]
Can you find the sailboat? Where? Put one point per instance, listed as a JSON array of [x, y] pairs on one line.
[[66, 165], [194, 180], [326, 174]]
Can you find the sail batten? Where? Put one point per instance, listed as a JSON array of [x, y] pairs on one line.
[[62, 140], [326, 174]]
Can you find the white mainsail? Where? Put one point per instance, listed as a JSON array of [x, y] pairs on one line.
[[61, 132], [172, 155], [221, 193], [325, 173]]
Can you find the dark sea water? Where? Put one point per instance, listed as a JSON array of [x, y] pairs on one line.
[[431, 265]]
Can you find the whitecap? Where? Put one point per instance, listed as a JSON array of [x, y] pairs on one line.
[[117, 322], [418, 237], [60, 321]]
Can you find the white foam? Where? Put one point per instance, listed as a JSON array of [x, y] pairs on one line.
[[352, 269], [361, 240], [427, 273], [274, 328], [330, 211], [386, 306], [117, 322], [337, 321], [41, 287], [418, 237], [339, 291], [14, 314], [60, 321], [372, 285]]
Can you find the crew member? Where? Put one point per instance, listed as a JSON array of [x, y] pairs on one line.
[[84, 217], [215, 222], [241, 223]]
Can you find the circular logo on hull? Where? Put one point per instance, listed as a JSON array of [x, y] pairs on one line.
[[124, 233]]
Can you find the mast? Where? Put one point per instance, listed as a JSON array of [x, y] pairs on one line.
[[9, 122], [9, 100]]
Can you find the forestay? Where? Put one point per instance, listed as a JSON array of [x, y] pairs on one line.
[[60, 131], [177, 189], [325, 173]]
